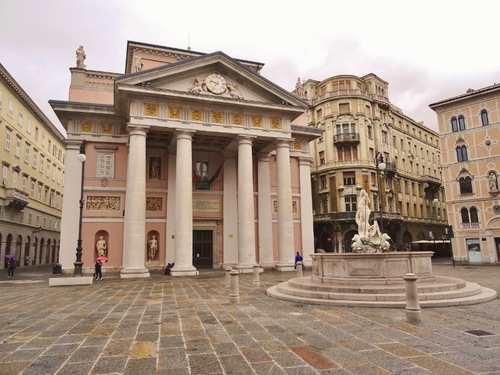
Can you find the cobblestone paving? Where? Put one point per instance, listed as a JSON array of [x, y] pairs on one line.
[[165, 325]]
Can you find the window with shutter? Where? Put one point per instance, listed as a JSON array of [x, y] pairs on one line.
[[105, 164]]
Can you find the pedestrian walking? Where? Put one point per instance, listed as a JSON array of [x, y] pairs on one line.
[[12, 267], [98, 270]]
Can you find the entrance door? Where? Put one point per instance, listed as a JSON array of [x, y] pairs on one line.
[[202, 248]]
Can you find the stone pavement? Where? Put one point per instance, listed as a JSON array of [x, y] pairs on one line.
[[165, 325]]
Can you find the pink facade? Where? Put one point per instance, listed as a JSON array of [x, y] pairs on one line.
[[167, 160]]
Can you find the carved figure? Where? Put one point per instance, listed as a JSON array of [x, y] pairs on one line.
[[492, 181], [101, 247], [155, 168], [299, 89], [196, 87], [357, 244], [233, 91], [384, 242], [137, 64], [152, 248], [80, 57], [363, 213]]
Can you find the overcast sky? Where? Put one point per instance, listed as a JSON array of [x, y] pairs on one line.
[[426, 50]]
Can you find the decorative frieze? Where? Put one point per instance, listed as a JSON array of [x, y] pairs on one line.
[[106, 128], [237, 119], [217, 117], [151, 109], [196, 115], [256, 121], [276, 123], [154, 204], [294, 207], [103, 203], [174, 112], [86, 127], [206, 205]]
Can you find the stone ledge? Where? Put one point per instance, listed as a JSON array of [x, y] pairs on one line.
[[67, 281]]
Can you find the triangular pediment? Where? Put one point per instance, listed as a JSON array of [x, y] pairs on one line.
[[215, 76]]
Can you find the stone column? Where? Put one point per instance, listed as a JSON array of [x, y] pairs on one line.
[[171, 217], [246, 213], [184, 206], [266, 258], [286, 249], [70, 212], [134, 239], [306, 210], [230, 211]]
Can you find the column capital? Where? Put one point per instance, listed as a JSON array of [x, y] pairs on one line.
[[305, 160], [184, 134], [284, 142], [248, 139]]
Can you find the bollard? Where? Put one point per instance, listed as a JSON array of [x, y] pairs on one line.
[[299, 269], [413, 313], [256, 276], [228, 282], [234, 293]]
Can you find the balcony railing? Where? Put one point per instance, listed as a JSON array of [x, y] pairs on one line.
[[16, 197], [471, 225], [346, 137]]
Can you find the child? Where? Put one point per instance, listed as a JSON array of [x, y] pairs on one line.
[[98, 272]]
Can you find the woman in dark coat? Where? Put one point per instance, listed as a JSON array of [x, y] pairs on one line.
[[12, 267]]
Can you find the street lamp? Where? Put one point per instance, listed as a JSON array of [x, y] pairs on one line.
[[78, 263], [380, 166]]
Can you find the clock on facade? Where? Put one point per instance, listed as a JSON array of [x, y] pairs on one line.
[[216, 83]]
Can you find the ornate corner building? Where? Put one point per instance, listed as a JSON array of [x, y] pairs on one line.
[[31, 186], [363, 132], [469, 127]]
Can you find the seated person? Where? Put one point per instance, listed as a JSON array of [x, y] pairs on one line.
[[168, 267]]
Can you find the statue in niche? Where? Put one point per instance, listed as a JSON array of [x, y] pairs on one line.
[[80, 58], [152, 248], [233, 91], [137, 63], [492, 181], [196, 87], [155, 168], [101, 247]]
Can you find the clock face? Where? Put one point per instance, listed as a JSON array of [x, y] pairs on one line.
[[216, 83]]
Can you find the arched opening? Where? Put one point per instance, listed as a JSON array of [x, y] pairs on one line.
[[40, 251], [102, 245], [53, 252], [326, 242], [348, 240], [27, 248], [153, 246], [35, 251], [407, 240], [47, 251], [7, 249]]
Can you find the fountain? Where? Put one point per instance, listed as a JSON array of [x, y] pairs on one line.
[[373, 276]]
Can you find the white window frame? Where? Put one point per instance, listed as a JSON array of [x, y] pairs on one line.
[[47, 170], [54, 172], [15, 177], [17, 151], [35, 157], [105, 164], [5, 171], [43, 139], [8, 135], [32, 189], [42, 162], [10, 111], [25, 181], [40, 190], [20, 118], [36, 133], [28, 126], [1, 99], [27, 147]]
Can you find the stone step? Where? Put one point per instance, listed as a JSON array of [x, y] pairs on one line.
[[470, 293]]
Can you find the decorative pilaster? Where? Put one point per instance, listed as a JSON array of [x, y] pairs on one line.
[[306, 208], [184, 206], [286, 246], [246, 213], [134, 241], [265, 213]]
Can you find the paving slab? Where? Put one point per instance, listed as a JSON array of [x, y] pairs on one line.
[[186, 325]]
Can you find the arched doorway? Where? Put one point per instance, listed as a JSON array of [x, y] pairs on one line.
[[35, 251], [407, 240], [40, 251], [7, 249], [47, 252], [326, 242], [27, 248], [348, 240]]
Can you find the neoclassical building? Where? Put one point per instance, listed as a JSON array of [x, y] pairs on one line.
[[191, 158], [469, 127], [31, 185], [361, 129]]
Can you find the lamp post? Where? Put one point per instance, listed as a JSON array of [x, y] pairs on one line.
[[380, 166], [78, 263]]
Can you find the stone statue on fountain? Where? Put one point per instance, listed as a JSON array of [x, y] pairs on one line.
[[369, 238]]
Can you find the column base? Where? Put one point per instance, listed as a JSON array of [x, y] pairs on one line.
[[268, 264], [285, 267], [134, 273], [184, 271], [244, 268]]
